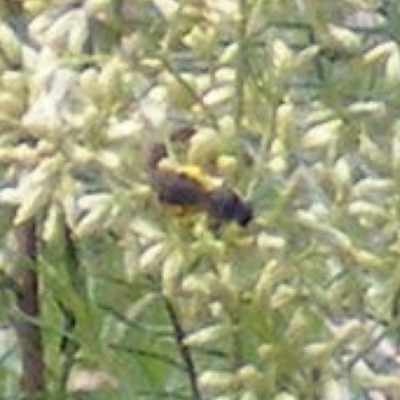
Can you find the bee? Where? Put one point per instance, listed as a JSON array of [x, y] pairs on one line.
[[189, 189]]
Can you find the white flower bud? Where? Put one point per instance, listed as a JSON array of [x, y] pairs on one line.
[[154, 107], [396, 145], [320, 352], [10, 44], [379, 52], [366, 209], [11, 106], [32, 202], [369, 260], [368, 186], [225, 75], [282, 55], [218, 95], [334, 390], [251, 378], [203, 146], [266, 353], [371, 150], [345, 38], [52, 223], [208, 335], [306, 55], [201, 40], [271, 274], [375, 108], [282, 296], [172, 273], [215, 381], [10, 196], [108, 159], [247, 395], [270, 242], [179, 92], [151, 259], [145, 230], [227, 165], [367, 378], [168, 8], [285, 396], [284, 121], [15, 82], [392, 70], [322, 134], [229, 54], [98, 208]]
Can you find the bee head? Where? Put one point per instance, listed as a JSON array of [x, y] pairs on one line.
[[224, 204]]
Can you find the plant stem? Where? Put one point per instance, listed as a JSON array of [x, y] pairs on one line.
[[28, 311], [240, 67]]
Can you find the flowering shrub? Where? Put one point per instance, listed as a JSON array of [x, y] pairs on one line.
[[295, 104]]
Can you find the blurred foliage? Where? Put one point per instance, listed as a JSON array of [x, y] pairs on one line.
[[295, 103]]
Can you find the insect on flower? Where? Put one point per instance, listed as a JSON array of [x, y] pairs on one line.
[[189, 189]]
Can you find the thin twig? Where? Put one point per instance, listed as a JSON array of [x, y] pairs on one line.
[[148, 330], [147, 354], [197, 98], [184, 350], [69, 346]]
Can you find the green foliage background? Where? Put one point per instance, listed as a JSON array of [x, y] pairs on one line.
[[296, 104]]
